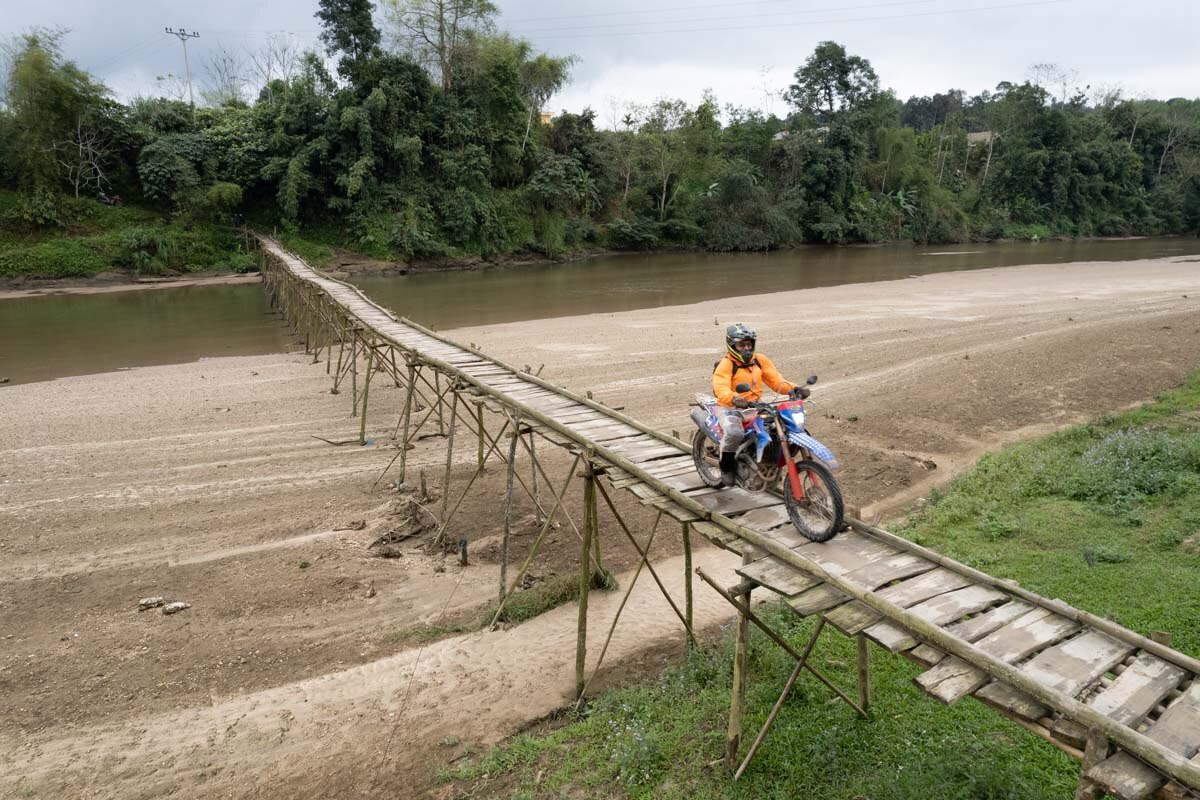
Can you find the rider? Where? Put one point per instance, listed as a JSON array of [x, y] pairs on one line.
[[740, 364]]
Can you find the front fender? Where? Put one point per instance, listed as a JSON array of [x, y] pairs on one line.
[[805, 440]]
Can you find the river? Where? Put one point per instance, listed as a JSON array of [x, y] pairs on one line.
[[47, 337]]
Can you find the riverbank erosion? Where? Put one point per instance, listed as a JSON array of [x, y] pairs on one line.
[[298, 670]]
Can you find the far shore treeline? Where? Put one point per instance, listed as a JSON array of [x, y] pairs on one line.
[[420, 141]]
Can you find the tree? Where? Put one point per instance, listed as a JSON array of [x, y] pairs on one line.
[[84, 158], [433, 31], [275, 60], [349, 29], [664, 148], [50, 99], [831, 82], [226, 78], [542, 76]]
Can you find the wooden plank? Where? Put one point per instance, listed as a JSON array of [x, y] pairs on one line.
[[817, 599], [892, 637], [765, 518], [924, 586], [940, 609], [850, 554], [850, 618], [733, 501], [778, 577], [1177, 729], [845, 552], [1072, 665], [1138, 690], [653, 454], [981, 625], [953, 678], [683, 482], [1001, 695], [927, 654], [892, 568]]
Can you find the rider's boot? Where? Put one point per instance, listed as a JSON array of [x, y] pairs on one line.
[[729, 469]]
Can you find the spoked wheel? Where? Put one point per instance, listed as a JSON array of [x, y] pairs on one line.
[[818, 515], [707, 456]]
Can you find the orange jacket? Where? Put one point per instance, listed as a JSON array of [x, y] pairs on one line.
[[761, 370]]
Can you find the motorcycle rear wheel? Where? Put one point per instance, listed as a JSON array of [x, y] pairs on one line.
[[706, 454], [817, 517]]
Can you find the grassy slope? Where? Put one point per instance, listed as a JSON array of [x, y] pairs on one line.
[[95, 242], [1095, 515]]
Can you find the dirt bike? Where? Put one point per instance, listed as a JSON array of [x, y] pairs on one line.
[[801, 471]]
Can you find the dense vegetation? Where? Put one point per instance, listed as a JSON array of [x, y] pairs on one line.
[[1093, 515], [435, 149]]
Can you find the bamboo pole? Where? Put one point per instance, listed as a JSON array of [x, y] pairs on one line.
[[537, 543], [688, 605], [653, 573], [787, 689], [864, 671], [508, 506], [585, 574], [354, 374], [779, 640], [621, 607], [479, 429], [437, 390], [408, 398], [737, 691], [362, 423], [450, 464], [533, 480]]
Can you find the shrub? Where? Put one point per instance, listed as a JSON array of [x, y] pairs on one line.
[[61, 258], [146, 250]]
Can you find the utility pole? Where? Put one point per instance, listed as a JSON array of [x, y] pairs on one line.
[[183, 36]]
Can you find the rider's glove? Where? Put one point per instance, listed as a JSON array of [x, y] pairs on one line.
[[799, 392], [740, 402]]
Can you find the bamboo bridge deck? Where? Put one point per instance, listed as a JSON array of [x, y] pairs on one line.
[[1128, 706]]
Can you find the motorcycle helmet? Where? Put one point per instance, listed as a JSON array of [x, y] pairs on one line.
[[740, 333]]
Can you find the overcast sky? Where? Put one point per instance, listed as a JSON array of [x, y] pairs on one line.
[[745, 51]]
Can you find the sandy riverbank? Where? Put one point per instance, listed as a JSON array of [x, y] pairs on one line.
[[121, 283], [291, 675]]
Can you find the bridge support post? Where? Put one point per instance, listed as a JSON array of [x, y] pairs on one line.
[[864, 673], [362, 423], [1094, 752], [533, 476], [446, 479], [508, 505], [737, 694], [354, 373], [585, 571], [407, 417], [479, 429], [687, 584]]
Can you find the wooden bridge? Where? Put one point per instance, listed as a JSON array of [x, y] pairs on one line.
[[1126, 705]]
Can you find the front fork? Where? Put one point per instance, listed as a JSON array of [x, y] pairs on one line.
[[793, 474]]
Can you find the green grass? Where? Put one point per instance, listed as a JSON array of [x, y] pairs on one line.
[[101, 238], [1093, 515]]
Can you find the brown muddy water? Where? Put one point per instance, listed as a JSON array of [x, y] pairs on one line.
[[42, 338]]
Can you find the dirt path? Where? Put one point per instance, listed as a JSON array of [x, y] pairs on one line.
[[204, 482]]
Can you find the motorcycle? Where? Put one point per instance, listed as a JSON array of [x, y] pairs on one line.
[[802, 471], [110, 199]]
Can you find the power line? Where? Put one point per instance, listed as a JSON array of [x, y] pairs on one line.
[[799, 13], [698, 6], [832, 20]]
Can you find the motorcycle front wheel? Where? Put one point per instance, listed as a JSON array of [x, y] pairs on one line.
[[706, 454], [818, 515]]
